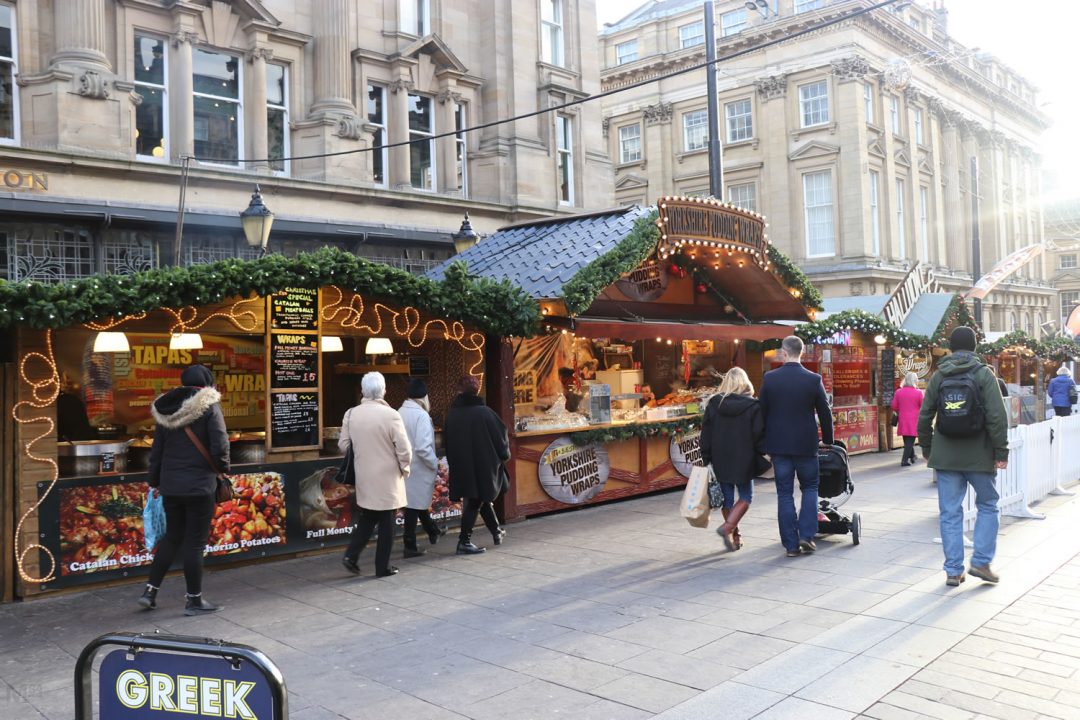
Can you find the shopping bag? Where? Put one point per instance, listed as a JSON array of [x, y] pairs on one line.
[[153, 518], [695, 499], [716, 493]]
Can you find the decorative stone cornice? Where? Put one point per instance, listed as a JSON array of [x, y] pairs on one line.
[[659, 113], [93, 85], [850, 68], [259, 53], [772, 87], [912, 95], [401, 84], [184, 37], [449, 95], [605, 126], [350, 127]]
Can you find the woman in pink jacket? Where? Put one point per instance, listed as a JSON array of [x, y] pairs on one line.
[[906, 404]]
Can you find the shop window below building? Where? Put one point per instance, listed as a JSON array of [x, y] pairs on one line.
[[46, 253]]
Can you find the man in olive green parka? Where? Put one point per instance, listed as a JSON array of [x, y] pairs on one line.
[[961, 461]]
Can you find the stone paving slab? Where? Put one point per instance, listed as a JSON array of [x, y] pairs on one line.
[[624, 612]]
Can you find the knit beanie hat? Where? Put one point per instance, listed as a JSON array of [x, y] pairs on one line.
[[416, 388], [197, 376], [963, 338], [469, 385]]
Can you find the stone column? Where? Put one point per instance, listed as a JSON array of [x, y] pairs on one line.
[[80, 34], [256, 115], [955, 258], [330, 19], [398, 132], [657, 134], [445, 121], [181, 98]]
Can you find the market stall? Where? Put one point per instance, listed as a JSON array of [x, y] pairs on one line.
[[644, 311], [288, 341]]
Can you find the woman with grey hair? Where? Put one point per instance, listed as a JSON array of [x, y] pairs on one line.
[[906, 403], [381, 456]]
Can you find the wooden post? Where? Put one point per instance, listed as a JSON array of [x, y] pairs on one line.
[[8, 378], [499, 378]]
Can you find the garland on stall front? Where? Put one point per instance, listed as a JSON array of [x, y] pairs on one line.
[[498, 308], [1060, 349], [580, 291], [957, 314], [641, 430], [795, 279], [1017, 340], [861, 321]]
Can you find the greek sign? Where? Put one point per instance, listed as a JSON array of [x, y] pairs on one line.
[[685, 452], [645, 283], [572, 474], [166, 685]]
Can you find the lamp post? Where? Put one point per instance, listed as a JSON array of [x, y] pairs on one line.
[[716, 162], [257, 220], [465, 237]]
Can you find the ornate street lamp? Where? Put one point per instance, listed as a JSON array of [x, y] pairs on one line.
[[257, 220], [465, 237]]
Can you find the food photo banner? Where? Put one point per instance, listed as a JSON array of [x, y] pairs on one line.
[[94, 526]]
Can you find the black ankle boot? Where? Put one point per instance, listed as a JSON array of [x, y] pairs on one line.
[[197, 606], [411, 551], [465, 546], [498, 535], [148, 599]]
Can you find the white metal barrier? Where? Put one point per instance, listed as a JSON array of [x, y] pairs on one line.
[[1066, 450]]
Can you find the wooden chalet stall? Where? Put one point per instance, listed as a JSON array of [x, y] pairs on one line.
[[287, 340], [644, 310]]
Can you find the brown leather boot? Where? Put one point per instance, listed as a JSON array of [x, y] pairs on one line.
[[731, 524]]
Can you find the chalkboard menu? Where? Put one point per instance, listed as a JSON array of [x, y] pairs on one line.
[[294, 419], [294, 360], [295, 309], [888, 376]]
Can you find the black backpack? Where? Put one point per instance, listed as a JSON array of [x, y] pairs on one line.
[[960, 409]]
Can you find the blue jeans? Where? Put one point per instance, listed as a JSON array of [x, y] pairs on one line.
[[805, 525], [951, 488], [746, 492]]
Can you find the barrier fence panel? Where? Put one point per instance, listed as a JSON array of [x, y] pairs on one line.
[[1015, 482], [1066, 452]]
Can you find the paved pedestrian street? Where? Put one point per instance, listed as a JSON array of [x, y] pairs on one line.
[[623, 612]]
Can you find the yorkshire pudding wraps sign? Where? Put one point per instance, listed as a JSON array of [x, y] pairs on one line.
[[573, 474]]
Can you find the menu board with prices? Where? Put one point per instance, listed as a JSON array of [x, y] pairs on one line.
[[295, 309], [294, 420], [294, 361]]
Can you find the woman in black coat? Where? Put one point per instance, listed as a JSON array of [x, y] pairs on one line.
[[476, 447], [185, 480], [733, 442]]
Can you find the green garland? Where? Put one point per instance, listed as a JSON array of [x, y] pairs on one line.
[[1015, 339], [956, 315], [864, 322], [498, 308], [1060, 349], [795, 278], [581, 290], [640, 430]]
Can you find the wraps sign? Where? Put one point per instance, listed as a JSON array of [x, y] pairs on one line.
[[647, 282], [573, 474]]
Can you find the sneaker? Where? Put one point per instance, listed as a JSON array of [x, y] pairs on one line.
[[197, 606], [955, 580], [984, 573], [794, 553], [350, 565], [148, 599], [807, 546]]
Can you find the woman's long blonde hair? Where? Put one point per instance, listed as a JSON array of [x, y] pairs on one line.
[[736, 382]]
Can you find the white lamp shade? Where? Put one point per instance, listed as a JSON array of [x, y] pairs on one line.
[[111, 342], [331, 343], [185, 341], [379, 346]]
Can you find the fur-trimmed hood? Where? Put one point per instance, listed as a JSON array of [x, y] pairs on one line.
[[183, 406]]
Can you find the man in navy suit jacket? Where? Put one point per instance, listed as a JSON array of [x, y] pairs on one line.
[[791, 395]]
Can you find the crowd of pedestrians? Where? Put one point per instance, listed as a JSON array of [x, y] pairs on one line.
[[960, 423]]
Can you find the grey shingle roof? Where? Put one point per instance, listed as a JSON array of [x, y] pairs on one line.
[[541, 257], [928, 313]]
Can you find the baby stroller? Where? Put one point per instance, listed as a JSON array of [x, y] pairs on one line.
[[833, 491]]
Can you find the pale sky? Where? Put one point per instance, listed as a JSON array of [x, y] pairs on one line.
[[1037, 39]]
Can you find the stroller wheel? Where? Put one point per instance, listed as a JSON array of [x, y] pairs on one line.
[[856, 528]]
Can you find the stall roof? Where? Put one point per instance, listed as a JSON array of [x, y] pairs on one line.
[[873, 304], [540, 257], [925, 318]]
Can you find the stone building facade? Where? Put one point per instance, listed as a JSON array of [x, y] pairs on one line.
[[1063, 257], [100, 100], [855, 140]]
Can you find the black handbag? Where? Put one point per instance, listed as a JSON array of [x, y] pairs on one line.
[[895, 419], [346, 474], [716, 493], [761, 465]]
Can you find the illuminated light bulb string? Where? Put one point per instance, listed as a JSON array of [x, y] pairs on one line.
[[44, 390], [406, 323]]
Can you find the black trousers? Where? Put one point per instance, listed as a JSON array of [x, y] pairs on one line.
[[909, 449], [409, 532], [469, 509], [1062, 411], [187, 527], [365, 526]]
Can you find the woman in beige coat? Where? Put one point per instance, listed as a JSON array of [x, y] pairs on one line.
[[381, 455]]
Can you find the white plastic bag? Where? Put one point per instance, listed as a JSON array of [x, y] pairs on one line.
[[695, 499]]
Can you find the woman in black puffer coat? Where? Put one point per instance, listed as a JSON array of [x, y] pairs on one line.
[[733, 442], [185, 480], [476, 447]]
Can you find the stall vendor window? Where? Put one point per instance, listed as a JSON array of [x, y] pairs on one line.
[[217, 122], [151, 115]]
